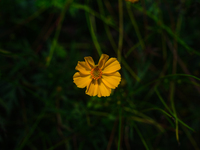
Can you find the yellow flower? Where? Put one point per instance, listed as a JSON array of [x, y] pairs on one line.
[[98, 79]]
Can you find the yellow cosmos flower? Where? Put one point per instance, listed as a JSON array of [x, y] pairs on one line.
[[98, 79]]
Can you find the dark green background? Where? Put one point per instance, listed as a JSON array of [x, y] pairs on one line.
[[41, 42]]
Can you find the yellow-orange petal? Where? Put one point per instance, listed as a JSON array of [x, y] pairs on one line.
[[111, 80], [89, 62], [102, 60], [81, 80], [92, 88], [103, 90], [111, 66], [83, 68], [97, 87]]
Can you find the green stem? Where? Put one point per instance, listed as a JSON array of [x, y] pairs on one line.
[[32, 129], [168, 30], [130, 70], [112, 42], [174, 110], [62, 15], [91, 25], [135, 26], [142, 138], [120, 30], [120, 126], [94, 37]]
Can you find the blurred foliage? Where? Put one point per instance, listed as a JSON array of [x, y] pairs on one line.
[[156, 106]]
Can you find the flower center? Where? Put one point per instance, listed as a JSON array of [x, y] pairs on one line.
[[96, 73]]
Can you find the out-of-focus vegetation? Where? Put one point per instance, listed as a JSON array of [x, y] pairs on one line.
[[157, 104]]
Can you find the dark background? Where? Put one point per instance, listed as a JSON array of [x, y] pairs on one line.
[[157, 104]]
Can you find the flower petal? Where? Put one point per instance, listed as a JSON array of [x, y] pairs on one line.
[[83, 68], [92, 88], [81, 80], [89, 62], [112, 65], [97, 87], [103, 90], [111, 80], [102, 60]]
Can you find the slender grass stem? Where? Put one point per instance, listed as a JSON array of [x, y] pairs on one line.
[[130, 70], [112, 42], [169, 31], [161, 99], [174, 69], [118, 52], [94, 37], [135, 25], [192, 140], [62, 15], [173, 108], [142, 138], [164, 48], [120, 126], [91, 25], [33, 128], [120, 43]]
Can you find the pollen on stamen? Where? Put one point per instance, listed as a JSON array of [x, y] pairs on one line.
[[96, 73]]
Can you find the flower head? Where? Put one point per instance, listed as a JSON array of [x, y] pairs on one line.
[[98, 79]]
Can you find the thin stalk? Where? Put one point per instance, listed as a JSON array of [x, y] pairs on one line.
[[130, 70], [169, 31], [112, 135], [164, 48], [135, 26], [161, 99], [94, 37], [192, 140], [120, 43], [32, 129], [62, 15], [142, 138], [91, 25], [120, 126], [172, 85], [112, 42], [96, 14], [173, 108], [138, 44], [118, 52]]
